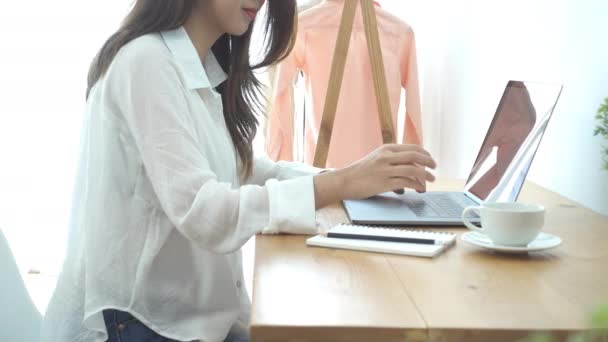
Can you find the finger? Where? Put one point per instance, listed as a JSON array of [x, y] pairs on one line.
[[396, 148], [429, 177], [406, 182], [411, 184], [411, 171], [412, 158], [415, 173]]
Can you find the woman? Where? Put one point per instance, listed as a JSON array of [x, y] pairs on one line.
[[168, 189]]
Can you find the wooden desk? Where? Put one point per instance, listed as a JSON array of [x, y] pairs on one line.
[[317, 294]]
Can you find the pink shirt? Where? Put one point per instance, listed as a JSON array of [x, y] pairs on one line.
[[356, 128]]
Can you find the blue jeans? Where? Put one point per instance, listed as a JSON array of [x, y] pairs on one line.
[[123, 327]]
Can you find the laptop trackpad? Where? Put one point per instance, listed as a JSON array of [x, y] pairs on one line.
[[384, 207]]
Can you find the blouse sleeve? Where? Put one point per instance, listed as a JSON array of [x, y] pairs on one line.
[[265, 169], [149, 93]]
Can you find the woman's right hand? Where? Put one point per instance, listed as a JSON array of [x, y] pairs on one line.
[[389, 167]]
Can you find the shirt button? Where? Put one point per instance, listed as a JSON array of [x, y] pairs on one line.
[[238, 284]]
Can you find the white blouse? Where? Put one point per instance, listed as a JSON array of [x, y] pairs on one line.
[[159, 213]]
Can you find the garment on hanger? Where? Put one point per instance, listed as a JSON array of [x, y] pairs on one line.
[[356, 128]]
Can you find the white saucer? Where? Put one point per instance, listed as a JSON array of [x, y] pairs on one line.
[[542, 242]]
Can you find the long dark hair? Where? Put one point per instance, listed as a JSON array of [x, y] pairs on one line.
[[241, 92]]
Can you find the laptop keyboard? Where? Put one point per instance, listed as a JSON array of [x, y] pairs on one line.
[[436, 205]]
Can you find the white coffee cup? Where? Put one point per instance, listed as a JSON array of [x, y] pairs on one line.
[[508, 224]]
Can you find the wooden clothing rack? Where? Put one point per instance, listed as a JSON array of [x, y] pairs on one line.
[[337, 72]]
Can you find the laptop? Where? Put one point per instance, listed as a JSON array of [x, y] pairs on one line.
[[498, 173]]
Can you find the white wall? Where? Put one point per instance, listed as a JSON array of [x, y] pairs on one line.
[[46, 50], [467, 52]]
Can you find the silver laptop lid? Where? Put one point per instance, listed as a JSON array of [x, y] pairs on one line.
[[512, 140]]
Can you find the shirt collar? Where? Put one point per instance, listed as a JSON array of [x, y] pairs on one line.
[[209, 74]]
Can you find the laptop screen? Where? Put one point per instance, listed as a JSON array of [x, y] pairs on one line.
[[512, 140]]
